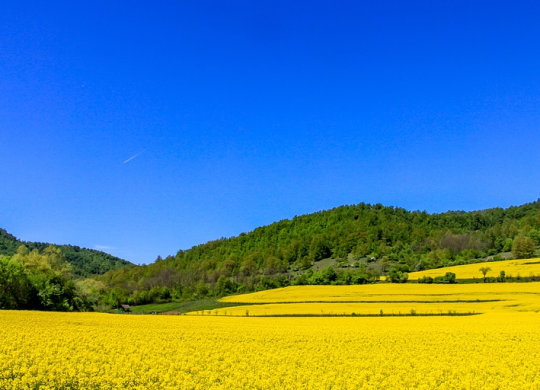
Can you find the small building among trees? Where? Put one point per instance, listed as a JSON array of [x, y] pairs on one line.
[[125, 308]]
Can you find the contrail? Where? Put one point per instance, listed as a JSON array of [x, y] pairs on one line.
[[131, 158]]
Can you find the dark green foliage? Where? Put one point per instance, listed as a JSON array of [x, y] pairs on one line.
[[85, 262], [88, 262], [397, 275], [329, 276], [448, 278], [225, 286], [319, 248], [8, 243], [16, 290], [426, 279], [202, 289]]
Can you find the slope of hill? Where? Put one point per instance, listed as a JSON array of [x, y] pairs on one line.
[[85, 262], [360, 235]]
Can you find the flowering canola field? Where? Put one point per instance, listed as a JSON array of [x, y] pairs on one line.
[[391, 299], [512, 268], [496, 350]]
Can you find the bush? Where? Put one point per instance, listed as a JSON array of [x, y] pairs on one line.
[[426, 279], [448, 278], [397, 276]]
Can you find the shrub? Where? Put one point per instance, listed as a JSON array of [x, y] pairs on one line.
[[426, 279]]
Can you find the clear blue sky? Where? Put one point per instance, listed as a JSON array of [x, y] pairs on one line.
[[251, 112]]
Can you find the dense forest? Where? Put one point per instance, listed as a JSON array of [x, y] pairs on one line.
[[346, 245], [84, 262], [363, 240]]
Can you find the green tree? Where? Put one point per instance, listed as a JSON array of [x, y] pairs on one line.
[[90, 290], [114, 299], [227, 267], [484, 271], [249, 267], [49, 274], [329, 275], [534, 234], [319, 248], [397, 276], [16, 291], [305, 262], [202, 289], [224, 286], [523, 247], [448, 278]]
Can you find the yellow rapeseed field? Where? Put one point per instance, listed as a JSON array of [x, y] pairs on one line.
[[224, 349], [392, 299], [100, 351], [512, 268]]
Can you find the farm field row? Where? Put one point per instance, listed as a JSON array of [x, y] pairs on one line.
[[372, 309], [391, 299], [347, 309], [103, 351], [389, 292]]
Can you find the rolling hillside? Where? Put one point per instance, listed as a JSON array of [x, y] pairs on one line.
[[360, 242], [85, 262]]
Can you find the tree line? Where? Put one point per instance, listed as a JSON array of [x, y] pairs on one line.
[[49, 277], [283, 253], [84, 262]]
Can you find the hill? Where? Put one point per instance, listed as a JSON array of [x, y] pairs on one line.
[[85, 262], [368, 240]]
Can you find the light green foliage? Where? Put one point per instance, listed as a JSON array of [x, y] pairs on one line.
[[523, 247], [84, 262], [34, 280], [484, 271]]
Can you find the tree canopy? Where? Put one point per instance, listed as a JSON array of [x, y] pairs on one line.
[[85, 262]]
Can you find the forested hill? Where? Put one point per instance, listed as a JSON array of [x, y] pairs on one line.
[[358, 234], [84, 262]]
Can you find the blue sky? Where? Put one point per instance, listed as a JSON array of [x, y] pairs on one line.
[[246, 113]]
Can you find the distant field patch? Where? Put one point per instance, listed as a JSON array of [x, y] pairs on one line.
[[390, 299], [512, 268], [347, 309]]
